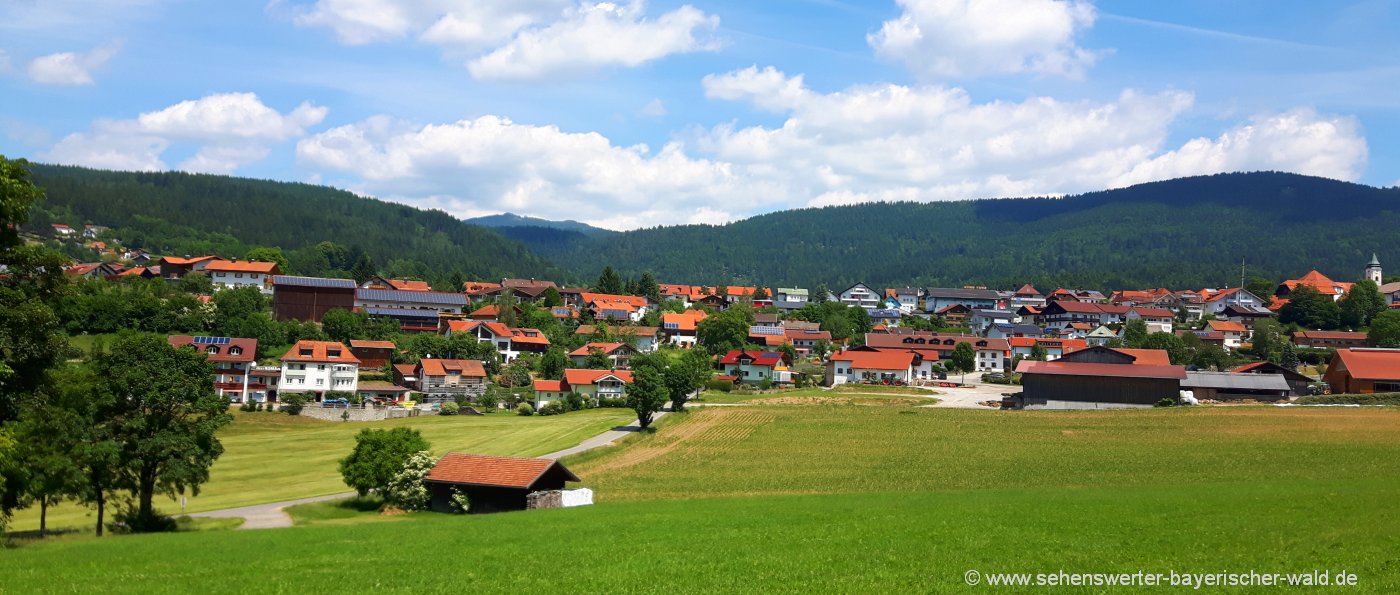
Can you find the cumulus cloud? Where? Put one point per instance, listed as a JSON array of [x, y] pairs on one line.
[[653, 109], [859, 144], [229, 130], [943, 39], [594, 36], [70, 68], [520, 39]]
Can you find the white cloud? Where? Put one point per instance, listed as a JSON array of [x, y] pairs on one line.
[[594, 36], [69, 68], [519, 39], [4, 62], [943, 39], [863, 143], [230, 130], [1309, 143], [653, 109]]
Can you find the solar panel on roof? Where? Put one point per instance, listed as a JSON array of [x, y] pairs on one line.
[[766, 330], [211, 340], [313, 282]]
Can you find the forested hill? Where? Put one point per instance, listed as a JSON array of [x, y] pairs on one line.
[[511, 220], [180, 213], [1189, 232]]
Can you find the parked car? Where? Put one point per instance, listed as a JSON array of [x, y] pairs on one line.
[[328, 403]]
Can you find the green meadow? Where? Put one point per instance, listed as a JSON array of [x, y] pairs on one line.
[[270, 457], [844, 498]]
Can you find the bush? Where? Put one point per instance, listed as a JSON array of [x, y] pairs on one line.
[[406, 490], [1166, 402], [459, 502], [379, 455], [723, 386], [766, 384], [488, 402], [608, 402], [293, 404], [449, 408], [248, 406], [129, 520], [1372, 399], [553, 408], [575, 401], [524, 409]]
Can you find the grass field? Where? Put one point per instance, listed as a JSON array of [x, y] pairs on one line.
[[847, 498], [859, 391], [271, 456]]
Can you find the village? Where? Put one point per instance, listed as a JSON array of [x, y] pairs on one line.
[[1066, 348]]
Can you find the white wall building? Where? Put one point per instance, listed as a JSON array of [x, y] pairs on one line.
[[319, 367], [233, 274]]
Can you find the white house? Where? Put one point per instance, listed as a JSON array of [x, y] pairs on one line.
[[1234, 333], [319, 367], [908, 298], [860, 295], [1158, 320], [1217, 301], [877, 365], [232, 274], [790, 294], [509, 342]]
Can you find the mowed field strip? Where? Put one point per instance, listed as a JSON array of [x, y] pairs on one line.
[[270, 457]]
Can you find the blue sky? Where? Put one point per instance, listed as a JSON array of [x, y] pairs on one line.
[[633, 114]]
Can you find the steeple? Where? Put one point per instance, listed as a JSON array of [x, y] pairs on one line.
[[1373, 270]]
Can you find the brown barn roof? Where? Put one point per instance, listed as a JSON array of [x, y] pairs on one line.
[[484, 470]]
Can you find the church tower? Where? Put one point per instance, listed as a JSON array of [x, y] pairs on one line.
[[1373, 270]]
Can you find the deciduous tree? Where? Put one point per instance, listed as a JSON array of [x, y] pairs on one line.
[[1385, 330], [646, 394], [378, 456]]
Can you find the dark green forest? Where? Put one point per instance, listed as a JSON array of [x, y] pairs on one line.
[[1189, 232], [180, 213]]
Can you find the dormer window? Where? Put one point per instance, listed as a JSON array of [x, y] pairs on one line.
[[235, 351], [333, 353], [305, 352], [212, 350]]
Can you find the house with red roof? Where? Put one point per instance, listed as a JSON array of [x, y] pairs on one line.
[[882, 366], [1099, 378], [591, 384], [993, 355], [373, 355], [378, 282], [615, 307], [1233, 333], [319, 367], [1315, 280], [232, 274], [440, 380], [1158, 320], [63, 230], [175, 267], [1299, 384], [1217, 301], [1329, 339], [645, 339], [234, 359], [679, 328], [754, 367], [1364, 371], [1054, 348], [491, 483], [1027, 295], [617, 353]]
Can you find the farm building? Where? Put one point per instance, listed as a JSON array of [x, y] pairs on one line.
[[1364, 371], [372, 354], [1298, 383], [1231, 386], [493, 484], [1099, 378], [309, 298], [879, 365]]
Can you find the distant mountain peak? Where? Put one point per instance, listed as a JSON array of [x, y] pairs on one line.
[[509, 219]]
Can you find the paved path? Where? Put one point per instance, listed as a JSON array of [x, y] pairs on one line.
[[603, 439], [267, 516], [971, 397], [271, 515]]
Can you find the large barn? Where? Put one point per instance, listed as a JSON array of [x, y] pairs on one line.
[[1100, 378], [493, 484]]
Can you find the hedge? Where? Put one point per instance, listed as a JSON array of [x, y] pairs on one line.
[[1372, 399]]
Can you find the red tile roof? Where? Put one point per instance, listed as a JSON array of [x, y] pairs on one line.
[[1320, 282], [372, 344], [684, 321], [319, 352], [483, 470], [606, 348], [1150, 357], [932, 341], [467, 326], [528, 336], [760, 358], [1065, 345], [613, 301], [1369, 364], [1226, 326], [407, 285], [242, 266], [183, 261], [1028, 289], [885, 359], [443, 367], [248, 348], [1154, 312], [1345, 335], [1059, 368], [553, 386], [576, 377]]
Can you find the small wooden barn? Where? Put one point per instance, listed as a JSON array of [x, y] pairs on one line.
[[494, 484], [1100, 378]]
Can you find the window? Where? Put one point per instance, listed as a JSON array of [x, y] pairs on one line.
[[235, 351], [320, 381], [320, 366], [238, 275], [212, 350]]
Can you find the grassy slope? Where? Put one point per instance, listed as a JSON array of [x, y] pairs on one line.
[[851, 498], [270, 457]]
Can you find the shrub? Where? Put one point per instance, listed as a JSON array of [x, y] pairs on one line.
[[766, 384], [488, 402], [524, 409], [293, 404], [378, 456], [406, 489], [248, 406], [719, 385], [553, 408], [459, 502], [1166, 402], [449, 408], [610, 402], [574, 401]]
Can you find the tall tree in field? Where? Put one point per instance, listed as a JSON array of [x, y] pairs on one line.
[[50, 433], [1360, 304], [609, 282], [686, 376], [964, 359], [1385, 330], [646, 394], [1134, 333], [1288, 356], [163, 415], [378, 456]]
